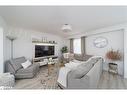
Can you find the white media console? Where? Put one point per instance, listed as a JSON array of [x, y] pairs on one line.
[[46, 60]]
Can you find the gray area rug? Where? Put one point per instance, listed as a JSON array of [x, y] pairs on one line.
[[41, 81]]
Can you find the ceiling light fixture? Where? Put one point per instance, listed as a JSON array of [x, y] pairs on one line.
[[66, 28]]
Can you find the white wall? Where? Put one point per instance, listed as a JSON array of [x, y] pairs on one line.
[[2, 25], [125, 52], [23, 45], [1, 50], [115, 41]]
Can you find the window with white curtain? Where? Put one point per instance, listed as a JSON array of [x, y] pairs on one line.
[[77, 46]]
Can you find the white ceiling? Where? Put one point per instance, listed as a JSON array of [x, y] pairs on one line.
[[51, 18]]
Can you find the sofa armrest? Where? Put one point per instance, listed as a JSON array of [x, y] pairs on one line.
[[62, 78], [78, 83], [9, 68]]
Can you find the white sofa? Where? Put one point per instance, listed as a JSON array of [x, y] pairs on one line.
[[83, 76]]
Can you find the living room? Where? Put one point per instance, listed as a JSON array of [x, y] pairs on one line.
[[50, 41]]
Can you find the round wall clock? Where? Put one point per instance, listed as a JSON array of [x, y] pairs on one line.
[[100, 42]]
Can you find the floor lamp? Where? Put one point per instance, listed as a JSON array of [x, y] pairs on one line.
[[11, 38]]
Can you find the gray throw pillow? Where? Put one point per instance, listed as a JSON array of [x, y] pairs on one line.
[[82, 57], [78, 57], [86, 57]]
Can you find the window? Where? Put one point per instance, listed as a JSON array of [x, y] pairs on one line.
[[77, 46]]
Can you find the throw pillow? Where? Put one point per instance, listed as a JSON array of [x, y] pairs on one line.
[[26, 64], [78, 57], [86, 57]]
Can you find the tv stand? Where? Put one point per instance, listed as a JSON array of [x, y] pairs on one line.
[[41, 61]]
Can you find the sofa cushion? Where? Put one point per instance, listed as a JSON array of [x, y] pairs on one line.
[[86, 57], [82, 57], [93, 60], [24, 76], [78, 57], [16, 63], [30, 69], [81, 70], [77, 61], [28, 72]]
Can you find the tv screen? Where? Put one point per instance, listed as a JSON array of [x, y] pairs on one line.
[[41, 50]]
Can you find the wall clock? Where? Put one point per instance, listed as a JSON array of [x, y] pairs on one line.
[[100, 42]]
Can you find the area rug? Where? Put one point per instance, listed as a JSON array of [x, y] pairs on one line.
[[42, 80]]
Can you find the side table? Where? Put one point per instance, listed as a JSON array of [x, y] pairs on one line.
[[113, 68]]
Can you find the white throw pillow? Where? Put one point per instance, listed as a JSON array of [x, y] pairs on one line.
[[26, 64]]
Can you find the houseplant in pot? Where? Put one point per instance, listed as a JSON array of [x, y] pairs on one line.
[[113, 56], [64, 51]]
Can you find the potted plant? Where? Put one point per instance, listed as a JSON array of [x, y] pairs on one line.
[[113, 56], [64, 49], [64, 52]]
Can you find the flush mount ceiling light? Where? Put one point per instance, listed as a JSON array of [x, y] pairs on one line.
[[66, 28]]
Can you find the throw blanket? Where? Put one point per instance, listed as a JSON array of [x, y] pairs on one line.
[[62, 79]]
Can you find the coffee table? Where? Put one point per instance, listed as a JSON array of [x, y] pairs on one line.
[[53, 63], [51, 76], [50, 67]]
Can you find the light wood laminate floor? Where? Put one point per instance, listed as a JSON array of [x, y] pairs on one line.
[[107, 81], [112, 81]]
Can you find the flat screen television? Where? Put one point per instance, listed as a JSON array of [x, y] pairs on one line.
[[43, 50]]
